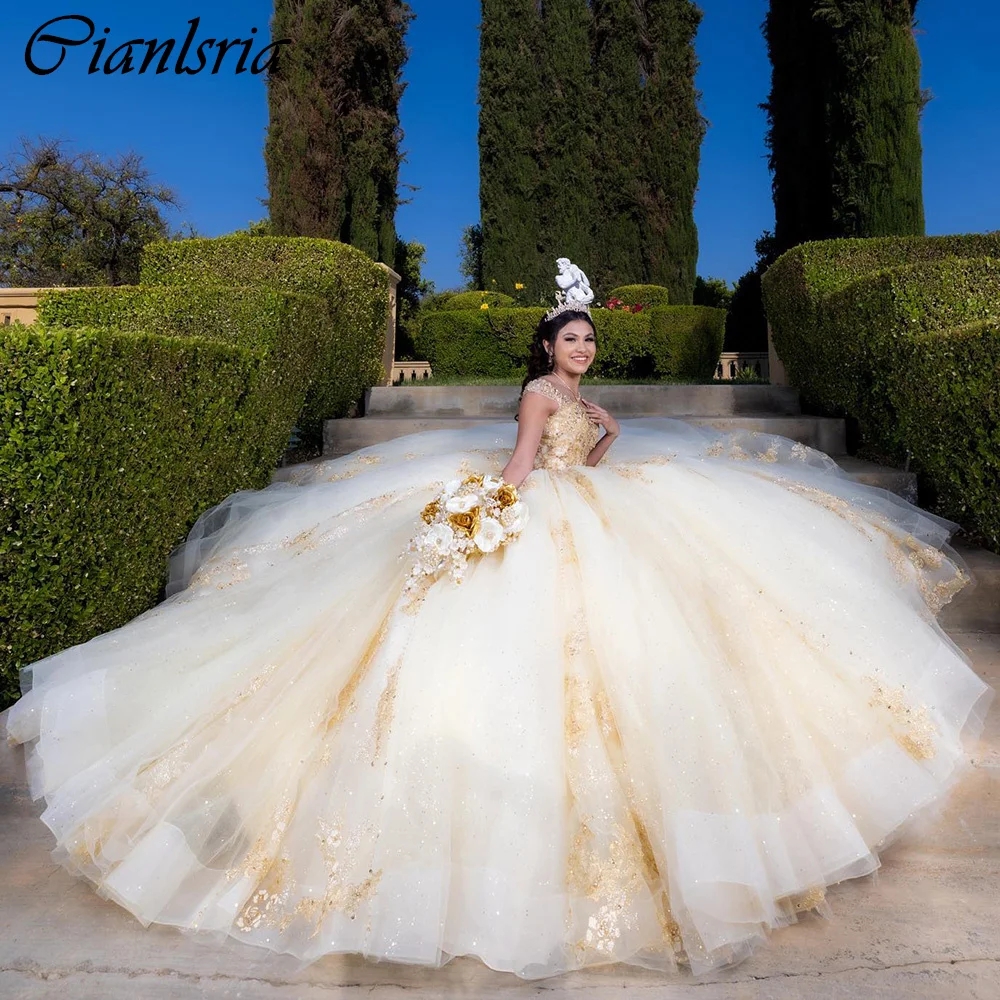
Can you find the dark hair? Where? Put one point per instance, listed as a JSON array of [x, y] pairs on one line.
[[539, 362]]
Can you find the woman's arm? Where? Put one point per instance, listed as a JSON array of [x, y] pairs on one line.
[[535, 410], [600, 448]]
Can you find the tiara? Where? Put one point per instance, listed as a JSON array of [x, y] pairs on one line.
[[574, 294], [567, 307]]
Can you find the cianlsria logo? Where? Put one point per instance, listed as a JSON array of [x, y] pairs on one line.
[[47, 51]]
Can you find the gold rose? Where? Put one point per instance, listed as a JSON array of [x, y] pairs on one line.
[[506, 496], [473, 481], [431, 511], [468, 523]]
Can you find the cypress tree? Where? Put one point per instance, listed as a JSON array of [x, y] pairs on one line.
[[875, 118], [671, 132], [618, 255], [510, 145], [797, 115], [843, 119], [566, 192], [332, 149]]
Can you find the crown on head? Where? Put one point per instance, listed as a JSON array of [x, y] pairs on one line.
[[566, 307], [574, 293]]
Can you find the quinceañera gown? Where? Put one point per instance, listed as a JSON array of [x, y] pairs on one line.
[[704, 683]]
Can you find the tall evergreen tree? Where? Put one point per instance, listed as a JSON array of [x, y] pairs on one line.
[[671, 132], [332, 148], [843, 119], [618, 254], [877, 169], [510, 124], [566, 191]]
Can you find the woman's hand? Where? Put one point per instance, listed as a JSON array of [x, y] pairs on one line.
[[602, 418]]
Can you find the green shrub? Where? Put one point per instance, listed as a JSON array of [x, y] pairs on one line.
[[668, 342], [900, 333], [947, 396], [690, 339], [288, 327], [111, 446], [475, 300], [641, 295], [355, 289]]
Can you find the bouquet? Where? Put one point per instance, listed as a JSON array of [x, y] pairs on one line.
[[468, 518]]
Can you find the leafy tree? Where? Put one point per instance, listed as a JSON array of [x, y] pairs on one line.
[[471, 264], [332, 149], [76, 220], [712, 292], [413, 287]]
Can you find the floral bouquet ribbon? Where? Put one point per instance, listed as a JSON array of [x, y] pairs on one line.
[[469, 517]]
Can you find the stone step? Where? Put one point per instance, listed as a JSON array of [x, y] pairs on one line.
[[500, 401], [894, 480], [341, 437], [976, 608]]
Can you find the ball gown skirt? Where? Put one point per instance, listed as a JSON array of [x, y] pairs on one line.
[[704, 683]]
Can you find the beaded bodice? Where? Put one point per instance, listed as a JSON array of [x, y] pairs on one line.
[[569, 435]]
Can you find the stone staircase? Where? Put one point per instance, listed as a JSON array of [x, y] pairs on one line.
[[394, 411]]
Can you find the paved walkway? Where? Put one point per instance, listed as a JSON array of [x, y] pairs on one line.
[[927, 927]]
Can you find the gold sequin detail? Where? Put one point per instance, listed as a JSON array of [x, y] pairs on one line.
[[268, 904], [153, 777], [346, 695], [631, 471], [234, 569], [340, 858], [569, 435], [809, 900], [262, 855], [613, 880], [585, 488], [384, 711], [916, 731]]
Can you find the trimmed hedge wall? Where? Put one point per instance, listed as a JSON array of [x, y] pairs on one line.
[[668, 342], [355, 288], [286, 329], [646, 295], [102, 473], [901, 334]]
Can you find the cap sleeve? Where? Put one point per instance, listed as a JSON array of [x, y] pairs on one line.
[[544, 388]]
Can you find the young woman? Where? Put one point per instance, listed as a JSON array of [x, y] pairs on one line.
[[703, 684]]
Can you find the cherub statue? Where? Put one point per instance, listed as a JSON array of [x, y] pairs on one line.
[[574, 284]]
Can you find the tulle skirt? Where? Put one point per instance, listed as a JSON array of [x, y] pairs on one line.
[[705, 683]]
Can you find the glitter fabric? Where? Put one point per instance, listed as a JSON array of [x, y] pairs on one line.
[[703, 684]]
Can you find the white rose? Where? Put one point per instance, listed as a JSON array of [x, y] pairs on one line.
[[463, 504], [491, 483], [515, 517], [490, 535], [439, 538], [453, 487]]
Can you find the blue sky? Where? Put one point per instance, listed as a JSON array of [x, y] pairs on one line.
[[203, 135]]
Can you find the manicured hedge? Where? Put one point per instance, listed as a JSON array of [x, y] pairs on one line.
[[286, 328], [900, 333], [354, 287], [668, 342], [644, 295], [103, 472]]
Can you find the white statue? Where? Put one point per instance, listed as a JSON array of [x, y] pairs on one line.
[[574, 283]]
